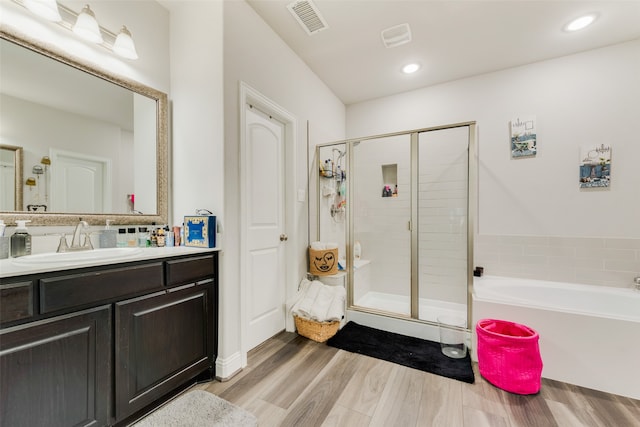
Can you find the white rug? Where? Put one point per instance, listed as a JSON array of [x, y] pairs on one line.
[[198, 408]]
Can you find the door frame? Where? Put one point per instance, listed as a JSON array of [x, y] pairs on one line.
[[249, 95]]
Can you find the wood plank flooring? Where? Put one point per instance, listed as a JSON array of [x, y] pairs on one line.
[[293, 381]]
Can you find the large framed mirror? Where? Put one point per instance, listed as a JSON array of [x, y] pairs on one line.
[[93, 145]]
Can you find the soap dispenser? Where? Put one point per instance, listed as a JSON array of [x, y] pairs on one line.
[[108, 236], [21, 240]]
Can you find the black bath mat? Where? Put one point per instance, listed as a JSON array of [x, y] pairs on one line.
[[407, 351]]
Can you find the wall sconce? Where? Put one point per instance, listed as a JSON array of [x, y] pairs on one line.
[[85, 25], [47, 9]]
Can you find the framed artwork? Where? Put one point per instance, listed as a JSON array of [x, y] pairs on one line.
[[523, 137], [595, 166]]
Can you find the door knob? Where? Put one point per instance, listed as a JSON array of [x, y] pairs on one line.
[[284, 237]]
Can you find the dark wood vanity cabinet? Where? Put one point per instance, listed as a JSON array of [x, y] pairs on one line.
[[124, 349], [56, 372], [161, 339]]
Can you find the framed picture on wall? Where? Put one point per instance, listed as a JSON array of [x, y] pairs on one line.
[[595, 166], [523, 137]]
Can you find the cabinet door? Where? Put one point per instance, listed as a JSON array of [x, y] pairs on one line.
[[57, 372], [162, 341]]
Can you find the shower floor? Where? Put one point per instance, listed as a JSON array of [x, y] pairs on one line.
[[429, 309]]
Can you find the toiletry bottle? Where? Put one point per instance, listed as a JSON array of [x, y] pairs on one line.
[[143, 237], [132, 237], [4, 241], [160, 237], [108, 236], [122, 238], [177, 240], [169, 237], [21, 240]]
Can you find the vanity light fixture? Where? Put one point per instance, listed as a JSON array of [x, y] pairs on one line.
[[87, 27], [580, 23], [47, 9], [410, 68], [124, 45]]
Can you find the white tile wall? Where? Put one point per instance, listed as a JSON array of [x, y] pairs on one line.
[[587, 260]]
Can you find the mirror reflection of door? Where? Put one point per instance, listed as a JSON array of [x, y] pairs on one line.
[[78, 174], [7, 180]]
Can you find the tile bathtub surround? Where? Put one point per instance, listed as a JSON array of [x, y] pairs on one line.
[[587, 260]]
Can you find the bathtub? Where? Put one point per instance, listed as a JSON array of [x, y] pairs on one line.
[[589, 335]]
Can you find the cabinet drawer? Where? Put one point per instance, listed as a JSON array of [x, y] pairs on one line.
[[189, 270], [16, 301], [62, 292]]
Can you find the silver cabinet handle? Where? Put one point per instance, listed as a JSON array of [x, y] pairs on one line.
[[284, 237]]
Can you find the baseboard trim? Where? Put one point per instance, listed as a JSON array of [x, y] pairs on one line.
[[228, 367]]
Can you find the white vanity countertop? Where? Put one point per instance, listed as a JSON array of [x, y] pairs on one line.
[[9, 268]]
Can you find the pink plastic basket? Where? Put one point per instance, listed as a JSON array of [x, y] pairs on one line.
[[509, 356]]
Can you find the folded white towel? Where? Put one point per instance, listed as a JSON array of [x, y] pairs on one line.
[[320, 302], [317, 246], [304, 306], [336, 309]]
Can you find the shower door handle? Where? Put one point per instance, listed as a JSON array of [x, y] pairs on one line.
[[284, 237]]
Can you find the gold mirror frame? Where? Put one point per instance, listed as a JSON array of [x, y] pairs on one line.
[[162, 146]]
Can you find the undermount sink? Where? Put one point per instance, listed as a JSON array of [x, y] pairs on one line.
[[95, 255]]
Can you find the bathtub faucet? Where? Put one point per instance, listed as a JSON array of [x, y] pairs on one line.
[[636, 280]]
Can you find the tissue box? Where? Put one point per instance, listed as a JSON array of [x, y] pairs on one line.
[[200, 231]]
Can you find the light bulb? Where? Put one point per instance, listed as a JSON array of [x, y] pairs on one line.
[[87, 27], [124, 45], [47, 9], [580, 23], [410, 68]]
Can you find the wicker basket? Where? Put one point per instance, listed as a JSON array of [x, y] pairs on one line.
[[317, 331]]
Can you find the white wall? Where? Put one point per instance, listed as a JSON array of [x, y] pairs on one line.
[[533, 219], [254, 54], [588, 98], [196, 108]]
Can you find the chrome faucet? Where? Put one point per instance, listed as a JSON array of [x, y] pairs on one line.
[[75, 240]]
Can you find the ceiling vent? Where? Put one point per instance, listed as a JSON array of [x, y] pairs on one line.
[[308, 15], [396, 35]]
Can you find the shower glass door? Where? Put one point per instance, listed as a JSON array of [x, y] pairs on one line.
[[381, 212], [443, 176]]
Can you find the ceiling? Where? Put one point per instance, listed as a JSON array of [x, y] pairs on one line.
[[451, 39]]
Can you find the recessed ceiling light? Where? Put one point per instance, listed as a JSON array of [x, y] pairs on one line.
[[410, 68], [580, 23]]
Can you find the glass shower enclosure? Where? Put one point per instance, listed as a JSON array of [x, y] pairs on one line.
[[400, 207]]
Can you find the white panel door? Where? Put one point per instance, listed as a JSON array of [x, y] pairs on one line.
[[78, 183], [265, 304]]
